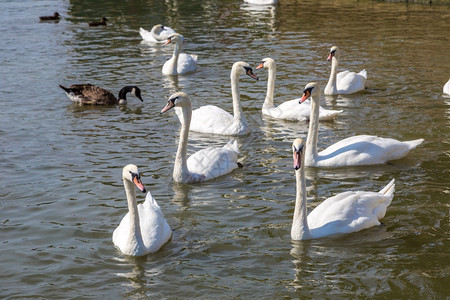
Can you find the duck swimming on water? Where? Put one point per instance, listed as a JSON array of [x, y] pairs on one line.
[[55, 17], [88, 94], [102, 22]]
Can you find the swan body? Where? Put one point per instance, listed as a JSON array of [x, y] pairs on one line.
[[352, 151], [205, 164], [446, 88], [289, 110], [180, 63], [261, 2], [213, 119], [88, 94], [143, 229], [345, 82], [346, 212], [158, 34]]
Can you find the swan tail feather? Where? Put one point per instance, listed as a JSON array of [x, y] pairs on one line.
[[363, 73], [414, 143], [389, 189], [232, 145]]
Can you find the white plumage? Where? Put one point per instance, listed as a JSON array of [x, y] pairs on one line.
[[345, 82], [205, 164], [179, 63], [446, 88], [289, 110], [346, 212], [352, 151], [158, 34]]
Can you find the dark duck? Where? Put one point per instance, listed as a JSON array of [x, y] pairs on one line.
[[88, 94]]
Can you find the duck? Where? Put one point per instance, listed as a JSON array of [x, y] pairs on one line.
[[88, 94], [446, 88], [215, 120], [158, 34], [346, 212], [180, 63], [203, 165], [143, 229], [345, 82], [353, 151], [55, 17], [289, 110], [101, 23]]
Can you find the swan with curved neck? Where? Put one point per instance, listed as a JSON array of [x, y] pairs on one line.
[[345, 82], [158, 34], [205, 164], [346, 212], [289, 110], [180, 63], [212, 119], [143, 229], [352, 151]]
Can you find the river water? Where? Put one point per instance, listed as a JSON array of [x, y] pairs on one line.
[[61, 194]]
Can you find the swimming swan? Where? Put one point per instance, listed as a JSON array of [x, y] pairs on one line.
[[205, 164], [343, 213], [143, 229], [352, 151], [213, 119], [158, 34], [180, 63], [88, 94], [289, 110], [345, 82]]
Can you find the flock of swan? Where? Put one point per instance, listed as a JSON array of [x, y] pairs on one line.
[[144, 229]]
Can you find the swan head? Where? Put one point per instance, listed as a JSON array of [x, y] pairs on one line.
[[242, 68], [179, 99], [266, 63], [157, 28], [311, 89], [176, 37], [297, 152], [334, 52], [131, 173]]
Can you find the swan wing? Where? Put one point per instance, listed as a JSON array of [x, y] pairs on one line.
[[350, 212], [292, 110], [187, 63], [213, 162], [351, 82], [155, 230], [147, 35], [364, 150], [446, 88], [211, 119]]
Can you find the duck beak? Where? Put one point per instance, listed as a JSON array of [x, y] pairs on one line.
[[137, 181], [305, 96], [261, 65], [168, 106]]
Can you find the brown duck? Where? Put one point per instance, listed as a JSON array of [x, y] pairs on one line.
[[102, 22], [55, 17], [88, 94]]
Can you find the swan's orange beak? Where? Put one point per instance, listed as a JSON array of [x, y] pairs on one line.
[[137, 181], [168, 41], [261, 65], [298, 158], [168, 106], [305, 96], [330, 56]]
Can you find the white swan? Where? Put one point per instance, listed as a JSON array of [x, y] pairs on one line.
[[180, 63], [352, 151], [143, 229], [205, 164], [343, 213], [213, 119], [262, 2], [345, 82], [158, 34], [446, 88], [289, 110]]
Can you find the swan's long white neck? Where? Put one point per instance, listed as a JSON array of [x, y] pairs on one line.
[[134, 236], [300, 228], [237, 108], [268, 102], [331, 87], [174, 59], [180, 170], [311, 154]]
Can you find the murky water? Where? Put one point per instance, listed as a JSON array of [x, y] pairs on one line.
[[61, 194]]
